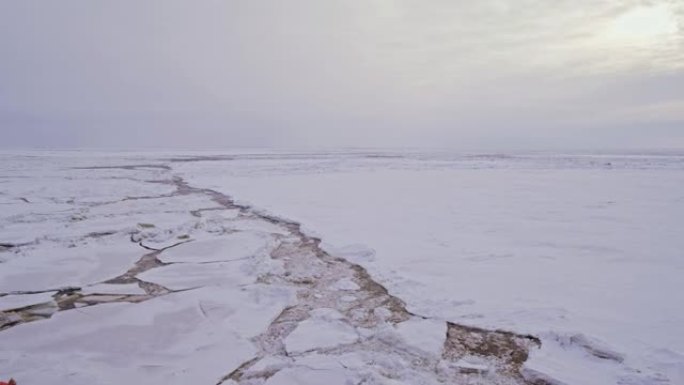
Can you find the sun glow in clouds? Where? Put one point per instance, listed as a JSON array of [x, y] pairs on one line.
[[643, 25]]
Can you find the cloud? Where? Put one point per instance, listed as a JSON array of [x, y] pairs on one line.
[[309, 73]]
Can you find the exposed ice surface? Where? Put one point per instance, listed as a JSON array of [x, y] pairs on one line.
[[424, 334], [130, 288], [17, 301], [307, 376], [230, 247], [169, 340], [140, 268], [320, 331]]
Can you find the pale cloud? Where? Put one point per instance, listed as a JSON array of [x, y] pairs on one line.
[[361, 73]]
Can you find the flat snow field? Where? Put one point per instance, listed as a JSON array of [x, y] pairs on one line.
[[164, 268]]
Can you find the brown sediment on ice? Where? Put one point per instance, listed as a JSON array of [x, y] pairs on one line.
[[509, 350]]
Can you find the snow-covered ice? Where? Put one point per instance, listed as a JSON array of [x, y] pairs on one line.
[[552, 245], [430, 268]]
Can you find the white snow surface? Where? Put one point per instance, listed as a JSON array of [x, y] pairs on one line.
[[70, 227], [583, 251], [566, 247]]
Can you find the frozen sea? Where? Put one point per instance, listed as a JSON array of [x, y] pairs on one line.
[[583, 251]]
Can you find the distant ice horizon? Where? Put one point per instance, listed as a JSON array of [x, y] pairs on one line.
[[633, 151]]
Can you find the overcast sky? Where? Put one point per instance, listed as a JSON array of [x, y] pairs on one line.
[[489, 74]]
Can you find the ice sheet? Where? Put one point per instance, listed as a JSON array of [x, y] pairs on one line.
[[553, 245], [181, 284]]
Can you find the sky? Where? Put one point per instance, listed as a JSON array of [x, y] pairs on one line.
[[486, 74]]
